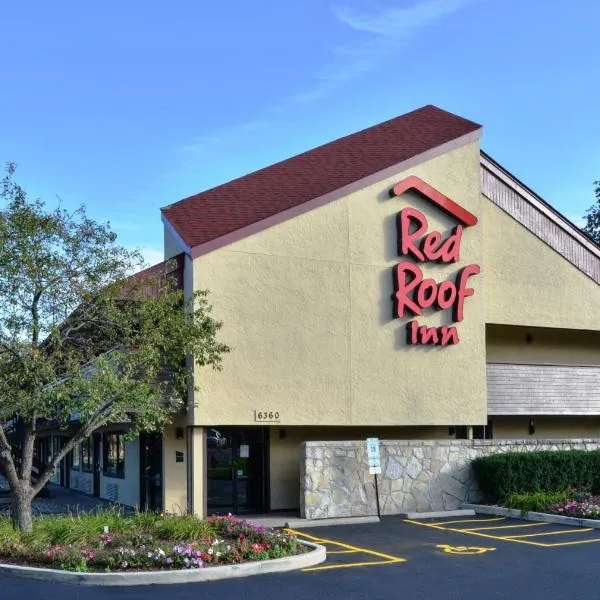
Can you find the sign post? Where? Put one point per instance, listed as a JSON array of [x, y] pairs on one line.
[[374, 460]]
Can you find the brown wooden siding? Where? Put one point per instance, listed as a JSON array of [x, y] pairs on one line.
[[543, 389]]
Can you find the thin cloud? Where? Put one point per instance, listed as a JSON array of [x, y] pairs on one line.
[[376, 34], [398, 23], [387, 30]]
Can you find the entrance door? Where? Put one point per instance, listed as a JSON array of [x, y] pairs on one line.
[[151, 471], [236, 469]]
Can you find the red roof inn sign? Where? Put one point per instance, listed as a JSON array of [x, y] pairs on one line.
[[413, 293]]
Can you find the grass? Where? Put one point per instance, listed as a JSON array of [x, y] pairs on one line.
[[142, 541]]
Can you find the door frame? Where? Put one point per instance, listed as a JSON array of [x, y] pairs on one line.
[[146, 460], [264, 444], [97, 462]]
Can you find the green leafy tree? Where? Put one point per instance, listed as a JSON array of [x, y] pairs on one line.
[[592, 217], [82, 342]]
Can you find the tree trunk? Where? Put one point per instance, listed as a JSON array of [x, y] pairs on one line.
[[20, 509]]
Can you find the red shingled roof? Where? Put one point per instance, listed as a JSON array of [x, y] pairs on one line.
[[292, 182]]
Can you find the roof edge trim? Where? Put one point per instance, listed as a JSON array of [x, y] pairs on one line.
[[182, 245], [309, 205]]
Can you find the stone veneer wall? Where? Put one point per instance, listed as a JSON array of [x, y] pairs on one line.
[[416, 476]]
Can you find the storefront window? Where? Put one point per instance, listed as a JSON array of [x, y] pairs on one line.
[[76, 457], [114, 455], [86, 455]]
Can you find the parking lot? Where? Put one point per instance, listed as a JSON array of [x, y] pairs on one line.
[[457, 558]]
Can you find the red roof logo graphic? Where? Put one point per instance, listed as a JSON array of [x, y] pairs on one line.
[[430, 193]]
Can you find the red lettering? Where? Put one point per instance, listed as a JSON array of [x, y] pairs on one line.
[[429, 335], [449, 335], [407, 238], [446, 295], [413, 293], [451, 247], [462, 290], [408, 277], [430, 246], [423, 335], [412, 328], [412, 224], [427, 293]]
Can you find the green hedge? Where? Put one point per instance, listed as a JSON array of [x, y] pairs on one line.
[[500, 475]]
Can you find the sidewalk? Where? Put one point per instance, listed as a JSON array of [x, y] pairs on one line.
[[61, 501]]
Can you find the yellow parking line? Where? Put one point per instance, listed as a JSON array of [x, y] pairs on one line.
[[505, 527], [388, 559], [512, 537], [469, 521], [484, 535], [342, 551], [361, 564], [573, 543]]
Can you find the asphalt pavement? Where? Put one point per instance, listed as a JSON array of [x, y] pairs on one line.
[[470, 558]]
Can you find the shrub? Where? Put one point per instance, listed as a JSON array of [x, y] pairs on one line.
[[537, 501], [501, 475]]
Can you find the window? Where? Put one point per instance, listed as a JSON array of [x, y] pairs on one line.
[[114, 455], [76, 457], [42, 450], [86, 456]]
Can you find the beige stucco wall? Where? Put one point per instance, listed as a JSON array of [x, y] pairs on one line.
[[174, 473], [529, 283], [506, 344], [307, 311], [285, 452], [507, 428], [171, 246]]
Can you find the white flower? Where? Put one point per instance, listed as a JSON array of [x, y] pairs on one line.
[[210, 550]]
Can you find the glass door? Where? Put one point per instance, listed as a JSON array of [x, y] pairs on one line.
[[236, 469], [151, 446]]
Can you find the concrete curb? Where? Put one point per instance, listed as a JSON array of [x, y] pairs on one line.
[[303, 523], [441, 514], [278, 565], [515, 513]]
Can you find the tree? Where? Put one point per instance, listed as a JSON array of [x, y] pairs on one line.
[[82, 342], [592, 217]]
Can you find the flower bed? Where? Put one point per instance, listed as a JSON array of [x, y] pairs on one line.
[[108, 541], [581, 505], [587, 508]]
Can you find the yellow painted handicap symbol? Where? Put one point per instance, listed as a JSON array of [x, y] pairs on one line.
[[464, 549]]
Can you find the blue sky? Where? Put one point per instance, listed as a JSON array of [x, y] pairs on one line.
[[129, 106]]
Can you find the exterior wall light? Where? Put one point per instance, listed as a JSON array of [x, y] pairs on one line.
[[531, 426]]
